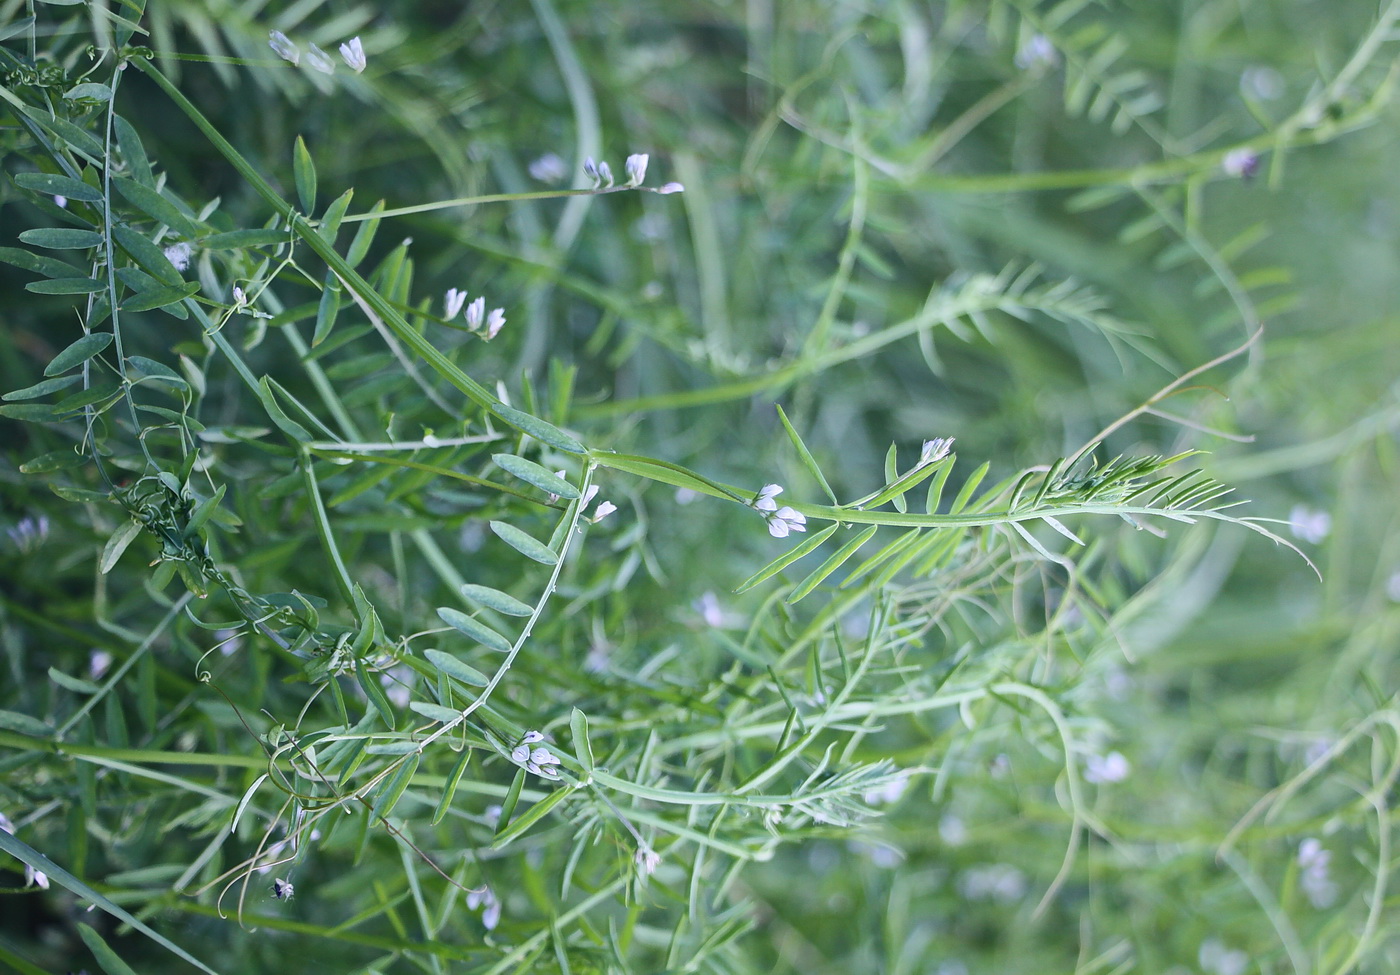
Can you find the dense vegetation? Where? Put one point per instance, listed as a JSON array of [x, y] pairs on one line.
[[698, 486]]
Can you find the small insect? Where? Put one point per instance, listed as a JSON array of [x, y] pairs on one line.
[[282, 889]]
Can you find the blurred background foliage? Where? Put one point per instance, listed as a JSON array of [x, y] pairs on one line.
[[1066, 169]]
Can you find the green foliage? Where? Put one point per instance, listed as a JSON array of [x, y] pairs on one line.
[[321, 570]]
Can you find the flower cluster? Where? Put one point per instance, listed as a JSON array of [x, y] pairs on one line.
[[485, 899], [604, 508], [539, 760], [478, 320], [782, 520], [1315, 879], [29, 534], [1240, 163], [647, 860], [351, 52], [1309, 525], [636, 168], [935, 450], [1112, 767]]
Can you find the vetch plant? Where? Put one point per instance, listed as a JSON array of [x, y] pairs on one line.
[[303, 586]]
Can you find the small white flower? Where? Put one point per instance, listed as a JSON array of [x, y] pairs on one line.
[[59, 200], [935, 450], [485, 899], [636, 166], [1112, 767], [494, 321], [453, 302], [549, 168], [283, 47], [491, 916], [1240, 163], [588, 495], [230, 641], [605, 173], [604, 509], [590, 169], [786, 520], [543, 756], [1037, 54], [282, 889], [239, 298], [30, 533], [397, 682], [647, 860], [99, 662], [562, 475], [492, 814], [709, 609], [1216, 959], [320, 60], [531, 737], [765, 500], [178, 255], [1308, 525], [353, 54], [521, 754], [1316, 880], [670, 188], [35, 878], [476, 314]]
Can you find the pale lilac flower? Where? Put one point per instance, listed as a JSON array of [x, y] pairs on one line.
[[99, 662], [590, 169], [30, 533], [239, 298], [935, 450], [1000, 882], [765, 500], [492, 814], [494, 321], [354, 55], [1315, 879], [521, 754], [1309, 525], [59, 200], [230, 641], [319, 60], [532, 737], [952, 830], [453, 302], [1392, 587], [636, 166], [1240, 163], [1112, 767], [283, 47], [283, 889], [604, 509], [35, 878], [1216, 959], [715, 615], [588, 496], [786, 520], [1261, 82], [1036, 54], [178, 255], [687, 495], [490, 906], [647, 860], [881, 855], [670, 188], [604, 173], [476, 314], [549, 168]]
